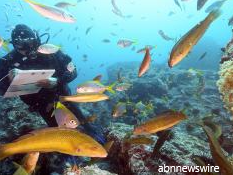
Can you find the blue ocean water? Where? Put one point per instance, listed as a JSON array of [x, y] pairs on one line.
[[145, 19]]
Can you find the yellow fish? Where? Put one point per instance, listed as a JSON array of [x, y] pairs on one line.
[[160, 123], [84, 98], [62, 140], [186, 43]]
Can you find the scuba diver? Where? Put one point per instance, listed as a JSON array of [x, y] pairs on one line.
[[24, 56]]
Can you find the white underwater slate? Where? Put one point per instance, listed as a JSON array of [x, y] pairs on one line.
[[24, 82]]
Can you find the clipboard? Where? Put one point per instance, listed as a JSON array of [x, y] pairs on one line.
[[25, 82]]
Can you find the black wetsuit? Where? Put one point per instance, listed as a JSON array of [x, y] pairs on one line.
[[45, 98]]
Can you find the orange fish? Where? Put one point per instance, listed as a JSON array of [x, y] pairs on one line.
[[160, 123], [30, 161], [190, 39], [145, 63]]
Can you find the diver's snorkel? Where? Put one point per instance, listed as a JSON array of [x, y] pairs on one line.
[[48, 37]]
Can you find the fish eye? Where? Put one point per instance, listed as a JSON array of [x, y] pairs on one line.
[[72, 122]]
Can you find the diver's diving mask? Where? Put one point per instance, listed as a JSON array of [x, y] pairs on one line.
[[28, 42]]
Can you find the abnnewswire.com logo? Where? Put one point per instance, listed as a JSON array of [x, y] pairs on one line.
[[186, 169]]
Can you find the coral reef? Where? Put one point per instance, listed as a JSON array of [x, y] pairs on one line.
[[226, 69], [94, 170], [136, 159], [192, 91], [89, 170], [225, 82]]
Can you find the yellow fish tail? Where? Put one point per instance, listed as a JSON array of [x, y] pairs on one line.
[[4, 153], [5, 46], [110, 88]]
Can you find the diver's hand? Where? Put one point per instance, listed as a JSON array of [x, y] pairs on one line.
[[48, 83], [13, 73]]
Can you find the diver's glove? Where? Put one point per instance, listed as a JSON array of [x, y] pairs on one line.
[[48, 83]]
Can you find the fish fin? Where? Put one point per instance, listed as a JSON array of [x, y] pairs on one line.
[[60, 46], [97, 78], [110, 88], [54, 107], [3, 152], [6, 45], [214, 14], [34, 132], [16, 164], [53, 113], [62, 98], [34, 3], [23, 137], [135, 41], [20, 169], [42, 130], [184, 110]]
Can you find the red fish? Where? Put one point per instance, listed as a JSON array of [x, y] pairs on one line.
[[145, 63]]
